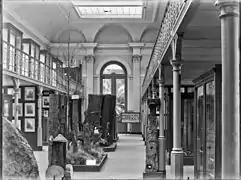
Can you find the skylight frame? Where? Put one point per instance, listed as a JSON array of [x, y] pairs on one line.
[[109, 9]]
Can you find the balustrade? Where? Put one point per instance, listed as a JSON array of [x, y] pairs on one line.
[[21, 63]]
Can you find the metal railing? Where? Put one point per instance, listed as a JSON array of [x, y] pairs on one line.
[[23, 64]]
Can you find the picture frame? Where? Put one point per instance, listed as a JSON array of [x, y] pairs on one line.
[[29, 109], [45, 101], [29, 94], [29, 125], [20, 109]]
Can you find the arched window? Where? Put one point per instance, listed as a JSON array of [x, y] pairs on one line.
[[114, 81]]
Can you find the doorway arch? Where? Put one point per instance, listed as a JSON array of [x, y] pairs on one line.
[[113, 80]]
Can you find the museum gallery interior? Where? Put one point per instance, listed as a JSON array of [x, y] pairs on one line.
[[130, 89]]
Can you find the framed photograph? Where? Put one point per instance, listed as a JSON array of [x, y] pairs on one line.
[[19, 109], [45, 101], [29, 125], [29, 94], [46, 113], [29, 109]]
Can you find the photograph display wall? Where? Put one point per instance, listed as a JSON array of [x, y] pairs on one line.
[[27, 111]]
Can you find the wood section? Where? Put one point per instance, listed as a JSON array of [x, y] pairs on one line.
[[57, 125], [152, 138], [108, 118]]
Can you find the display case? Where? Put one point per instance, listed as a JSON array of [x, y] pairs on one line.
[[187, 114], [207, 125], [12, 45], [31, 64]]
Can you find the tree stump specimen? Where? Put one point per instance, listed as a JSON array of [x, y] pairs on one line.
[[18, 158]]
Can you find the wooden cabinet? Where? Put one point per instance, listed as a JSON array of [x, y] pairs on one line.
[[207, 126], [12, 45]]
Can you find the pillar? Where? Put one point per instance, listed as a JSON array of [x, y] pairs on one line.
[[90, 76], [16, 83], [161, 138], [136, 59], [229, 16], [177, 152], [130, 98], [39, 134]]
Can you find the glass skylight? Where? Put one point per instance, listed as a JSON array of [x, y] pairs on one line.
[[109, 9]]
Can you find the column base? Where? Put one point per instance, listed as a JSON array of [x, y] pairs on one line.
[[177, 164], [162, 154], [154, 175]]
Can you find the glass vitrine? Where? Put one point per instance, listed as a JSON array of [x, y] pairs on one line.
[[187, 99], [12, 46], [31, 56], [208, 124], [47, 58]]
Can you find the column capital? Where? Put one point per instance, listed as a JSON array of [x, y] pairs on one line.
[[176, 64], [136, 58], [228, 7], [89, 58]]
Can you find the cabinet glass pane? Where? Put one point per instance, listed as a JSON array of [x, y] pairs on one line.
[[12, 39], [210, 130], [106, 86], [200, 129], [32, 50], [5, 35], [26, 48]]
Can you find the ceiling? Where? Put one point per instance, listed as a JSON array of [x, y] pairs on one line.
[[53, 21]]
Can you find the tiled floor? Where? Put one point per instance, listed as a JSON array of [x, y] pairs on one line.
[[127, 162]]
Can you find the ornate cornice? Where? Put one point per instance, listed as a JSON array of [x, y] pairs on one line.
[[175, 11], [136, 58]]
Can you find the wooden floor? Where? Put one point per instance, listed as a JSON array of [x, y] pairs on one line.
[[127, 162]]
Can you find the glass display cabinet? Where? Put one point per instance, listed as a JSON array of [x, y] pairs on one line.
[[51, 68], [187, 114], [207, 127], [12, 47], [31, 56], [46, 58]]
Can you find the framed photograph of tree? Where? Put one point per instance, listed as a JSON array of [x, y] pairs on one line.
[[29, 125], [29, 109], [29, 94]]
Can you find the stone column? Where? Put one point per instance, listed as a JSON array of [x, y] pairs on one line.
[[177, 152], [39, 134], [90, 76], [161, 138], [136, 59], [230, 29], [16, 84], [130, 95]]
